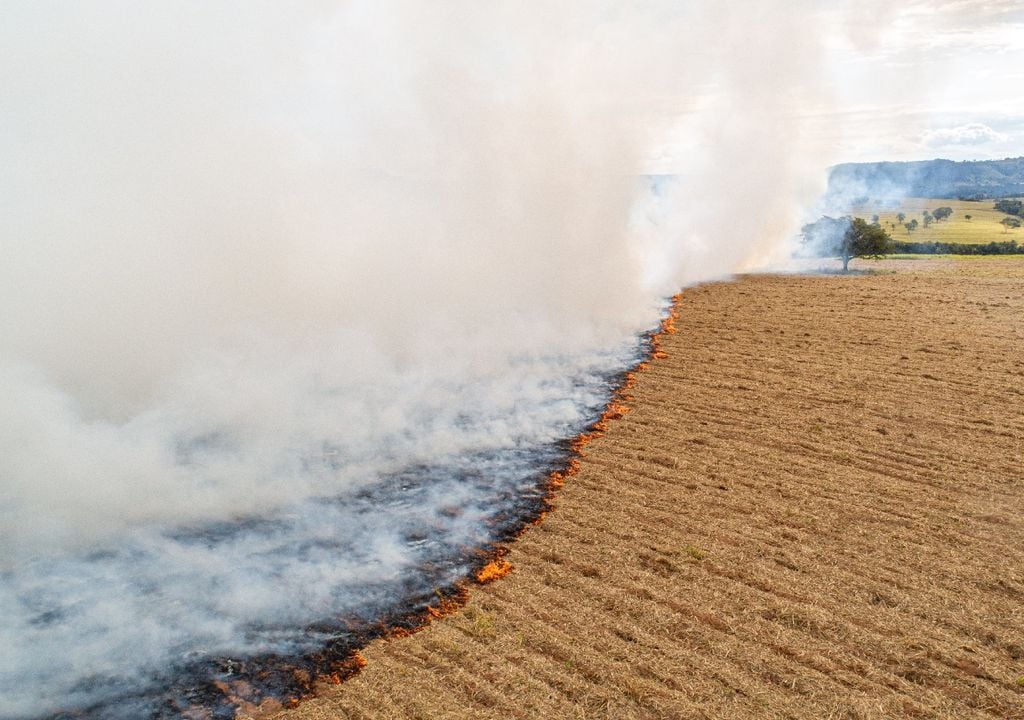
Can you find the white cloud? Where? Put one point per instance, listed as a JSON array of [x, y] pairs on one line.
[[970, 134]]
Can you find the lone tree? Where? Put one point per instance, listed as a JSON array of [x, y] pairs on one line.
[[846, 239], [968, 217], [1010, 222], [942, 213], [901, 217]]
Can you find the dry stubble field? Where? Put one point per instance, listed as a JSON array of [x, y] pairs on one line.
[[814, 510]]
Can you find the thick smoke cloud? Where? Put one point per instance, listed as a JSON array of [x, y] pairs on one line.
[[212, 211], [257, 255], [207, 207]]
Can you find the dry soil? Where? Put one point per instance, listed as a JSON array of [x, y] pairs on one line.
[[815, 509]]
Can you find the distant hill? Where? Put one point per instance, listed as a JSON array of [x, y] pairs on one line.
[[968, 179]]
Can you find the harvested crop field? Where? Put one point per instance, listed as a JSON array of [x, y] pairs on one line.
[[815, 509]]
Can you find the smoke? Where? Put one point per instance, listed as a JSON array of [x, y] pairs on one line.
[[824, 237], [852, 185], [217, 215], [751, 167], [337, 276]]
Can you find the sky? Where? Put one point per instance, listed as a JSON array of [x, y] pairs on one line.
[[906, 81], [943, 80]]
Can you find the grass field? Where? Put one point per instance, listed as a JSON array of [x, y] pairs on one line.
[[813, 509], [983, 227]]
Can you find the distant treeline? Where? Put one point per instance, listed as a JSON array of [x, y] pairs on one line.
[[967, 180], [1011, 207], [1009, 247]]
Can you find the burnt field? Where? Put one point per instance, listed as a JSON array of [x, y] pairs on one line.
[[813, 509]]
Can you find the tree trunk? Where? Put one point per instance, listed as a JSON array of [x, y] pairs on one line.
[[846, 263]]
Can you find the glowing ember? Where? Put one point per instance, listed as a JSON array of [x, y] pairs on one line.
[[446, 606]]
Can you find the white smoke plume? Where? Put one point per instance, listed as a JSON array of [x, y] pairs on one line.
[[258, 256]]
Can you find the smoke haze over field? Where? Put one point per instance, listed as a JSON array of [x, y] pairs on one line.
[[214, 212], [261, 259]]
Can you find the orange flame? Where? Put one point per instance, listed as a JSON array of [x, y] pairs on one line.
[[358, 660], [615, 411], [580, 442], [493, 570]]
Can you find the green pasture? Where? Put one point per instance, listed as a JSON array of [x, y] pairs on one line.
[[982, 228]]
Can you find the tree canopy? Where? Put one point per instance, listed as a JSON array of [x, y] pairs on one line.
[[846, 238], [1010, 207]]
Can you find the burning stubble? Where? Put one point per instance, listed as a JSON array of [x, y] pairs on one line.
[[301, 304]]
